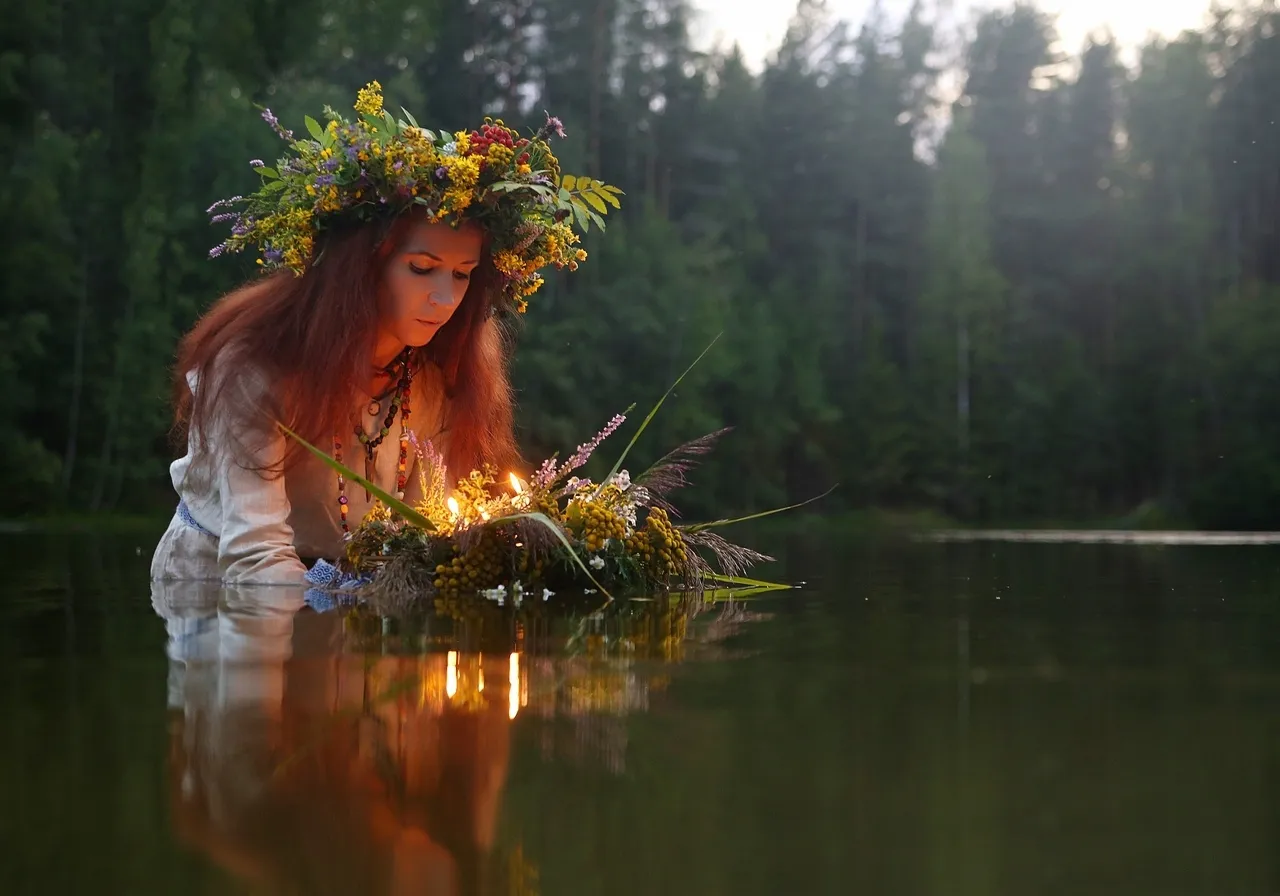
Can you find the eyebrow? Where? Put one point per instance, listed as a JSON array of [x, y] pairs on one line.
[[437, 258]]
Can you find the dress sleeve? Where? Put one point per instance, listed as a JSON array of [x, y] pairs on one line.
[[255, 544]]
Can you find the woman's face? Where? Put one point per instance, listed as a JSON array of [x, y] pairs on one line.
[[423, 282]]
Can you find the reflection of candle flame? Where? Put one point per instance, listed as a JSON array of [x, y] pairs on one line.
[[480, 679], [453, 506], [451, 674], [513, 700]]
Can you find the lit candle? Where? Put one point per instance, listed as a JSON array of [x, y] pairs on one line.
[[519, 486], [451, 674]]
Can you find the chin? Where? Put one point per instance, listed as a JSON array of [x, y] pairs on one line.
[[421, 335]]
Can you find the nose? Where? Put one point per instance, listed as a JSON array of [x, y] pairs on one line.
[[437, 299]]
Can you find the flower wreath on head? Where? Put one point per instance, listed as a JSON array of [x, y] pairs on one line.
[[378, 166]]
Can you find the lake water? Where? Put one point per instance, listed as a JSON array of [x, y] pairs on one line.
[[918, 719]]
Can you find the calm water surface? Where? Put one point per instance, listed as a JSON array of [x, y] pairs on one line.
[[919, 719]]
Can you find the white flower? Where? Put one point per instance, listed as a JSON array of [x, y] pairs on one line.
[[547, 593], [596, 562], [450, 148], [622, 480]]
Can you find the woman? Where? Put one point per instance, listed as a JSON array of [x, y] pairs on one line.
[[388, 249]]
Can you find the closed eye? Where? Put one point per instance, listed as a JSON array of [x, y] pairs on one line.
[[462, 276]]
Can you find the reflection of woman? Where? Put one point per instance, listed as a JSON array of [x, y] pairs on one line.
[[388, 250], [304, 771]]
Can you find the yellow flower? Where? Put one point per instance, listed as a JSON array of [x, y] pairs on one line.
[[507, 262], [581, 255], [369, 99], [463, 141], [523, 169], [500, 155]]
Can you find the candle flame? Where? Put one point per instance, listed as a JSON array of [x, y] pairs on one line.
[[517, 484], [453, 506], [451, 674]]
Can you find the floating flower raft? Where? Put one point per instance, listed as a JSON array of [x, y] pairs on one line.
[[495, 538]]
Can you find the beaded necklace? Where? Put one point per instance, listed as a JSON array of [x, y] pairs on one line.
[[399, 405]]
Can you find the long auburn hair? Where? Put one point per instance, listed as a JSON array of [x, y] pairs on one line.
[[310, 340]]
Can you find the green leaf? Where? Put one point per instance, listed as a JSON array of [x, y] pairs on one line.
[[564, 197], [392, 502], [268, 172], [313, 127], [739, 588], [715, 524], [599, 221], [603, 192], [413, 121], [653, 413], [275, 186], [391, 122], [580, 213], [559, 534]]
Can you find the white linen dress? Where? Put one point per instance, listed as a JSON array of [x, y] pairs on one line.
[[242, 528]]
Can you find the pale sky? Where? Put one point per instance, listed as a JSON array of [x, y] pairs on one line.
[[758, 25]]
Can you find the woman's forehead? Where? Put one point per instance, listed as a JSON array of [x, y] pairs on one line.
[[443, 240]]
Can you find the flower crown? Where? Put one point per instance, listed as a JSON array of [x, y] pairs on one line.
[[378, 165]]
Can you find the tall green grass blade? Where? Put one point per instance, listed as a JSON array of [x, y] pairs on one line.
[[715, 524], [653, 413], [392, 502], [744, 582]]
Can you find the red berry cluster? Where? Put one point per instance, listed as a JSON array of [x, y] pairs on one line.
[[488, 135]]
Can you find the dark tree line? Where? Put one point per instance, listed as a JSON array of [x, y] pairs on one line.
[[1067, 307]]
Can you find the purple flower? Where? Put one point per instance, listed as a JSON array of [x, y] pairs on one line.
[[325, 180], [582, 455], [239, 230], [273, 255], [217, 250], [352, 153], [441, 173], [223, 203], [331, 164], [553, 126], [225, 216], [546, 474], [270, 118], [398, 165]]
